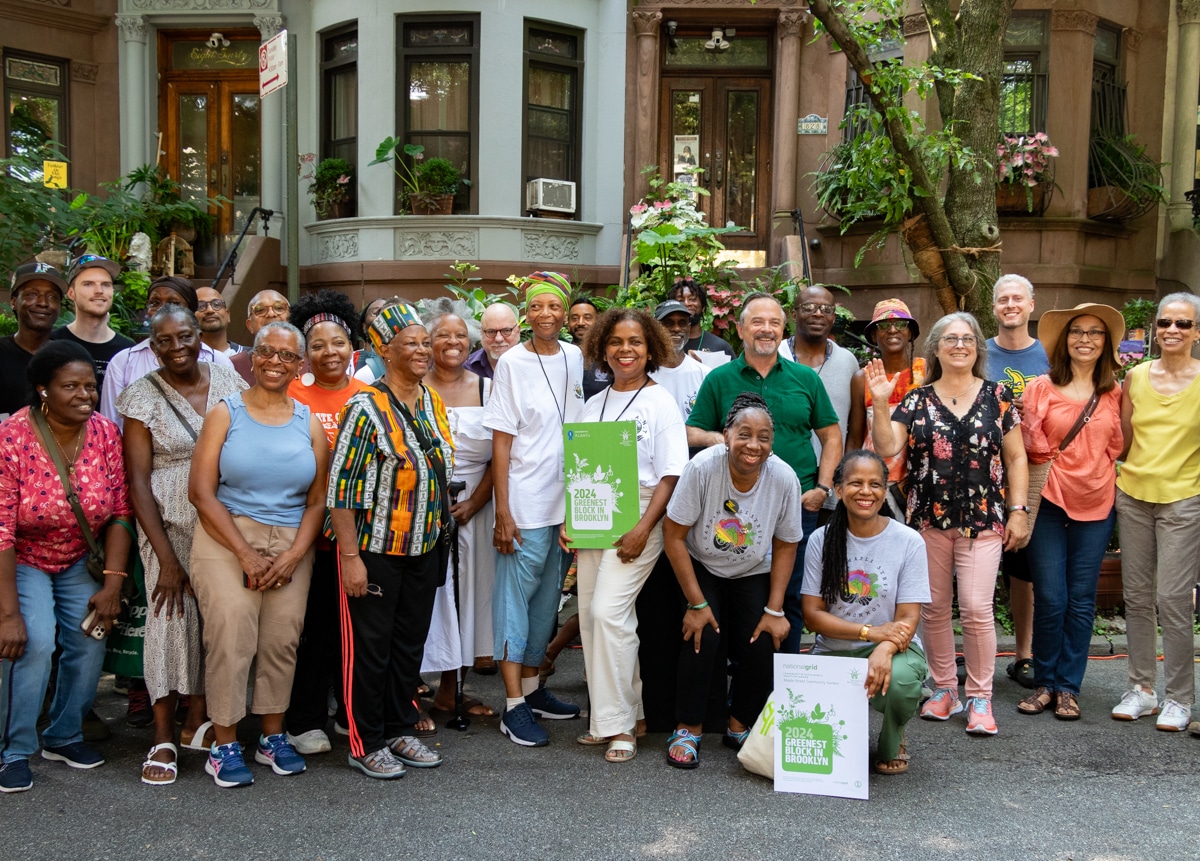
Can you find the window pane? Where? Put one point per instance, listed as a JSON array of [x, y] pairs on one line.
[[1025, 32], [1022, 97], [456, 148], [34, 121], [198, 55], [553, 44], [741, 179], [550, 87], [439, 96], [33, 72], [437, 35], [343, 103], [340, 48], [193, 147], [750, 51], [244, 154], [549, 159]]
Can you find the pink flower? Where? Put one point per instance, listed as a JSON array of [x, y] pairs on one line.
[[638, 208]]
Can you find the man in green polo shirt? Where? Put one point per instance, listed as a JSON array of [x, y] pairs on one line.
[[799, 406]]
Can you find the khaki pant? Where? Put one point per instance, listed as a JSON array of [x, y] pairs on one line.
[[241, 625]]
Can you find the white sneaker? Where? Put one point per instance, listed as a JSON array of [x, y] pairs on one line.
[[313, 741], [1136, 702], [1174, 717]]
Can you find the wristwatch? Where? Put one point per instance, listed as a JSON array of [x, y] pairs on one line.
[[828, 490]]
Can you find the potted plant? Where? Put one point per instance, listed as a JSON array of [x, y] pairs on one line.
[[429, 185], [166, 211], [1123, 182], [1024, 173], [331, 187]]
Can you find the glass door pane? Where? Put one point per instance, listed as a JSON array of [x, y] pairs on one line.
[[690, 144], [244, 189], [193, 151], [741, 160]]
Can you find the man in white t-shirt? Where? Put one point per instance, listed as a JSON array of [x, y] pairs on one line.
[[537, 387], [683, 378]]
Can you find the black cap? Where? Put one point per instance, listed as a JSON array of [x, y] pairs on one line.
[[671, 306], [35, 271]]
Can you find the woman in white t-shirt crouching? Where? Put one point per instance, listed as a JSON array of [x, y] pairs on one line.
[[627, 344], [731, 532], [865, 579]]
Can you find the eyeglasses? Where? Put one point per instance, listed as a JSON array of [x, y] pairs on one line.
[[955, 340], [892, 325], [814, 307], [279, 308], [1090, 334], [1181, 325], [504, 333], [286, 356], [215, 304]]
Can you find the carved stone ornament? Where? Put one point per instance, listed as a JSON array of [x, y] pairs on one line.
[[914, 25], [268, 25], [1074, 20], [791, 23], [1189, 11], [439, 243], [646, 23], [63, 3], [84, 73], [199, 5], [548, 246], [132, 27], [1131, 38], [339, 246]]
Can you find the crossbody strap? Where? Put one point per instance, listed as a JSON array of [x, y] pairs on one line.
[[427, 448], [158, 384], [56, 456], [1085, 416]]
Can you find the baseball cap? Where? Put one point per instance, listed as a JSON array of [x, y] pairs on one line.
[[34, 271], [671, 306], [93, 261]]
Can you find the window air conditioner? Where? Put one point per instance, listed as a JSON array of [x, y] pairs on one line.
[[553, 195]]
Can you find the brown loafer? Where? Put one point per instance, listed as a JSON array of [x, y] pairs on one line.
[[1066, 706], [1036, 703]]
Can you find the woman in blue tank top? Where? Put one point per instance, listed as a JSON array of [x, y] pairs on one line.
[[258, 483]]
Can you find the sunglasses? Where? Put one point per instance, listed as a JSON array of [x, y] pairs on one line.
[[892, 325], [285, 356], [1167, 323], [814, 307]]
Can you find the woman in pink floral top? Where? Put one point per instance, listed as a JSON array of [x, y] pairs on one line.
[[964, 447], [44, 582]]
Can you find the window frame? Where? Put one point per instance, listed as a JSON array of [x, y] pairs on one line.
[[405, 55], [1038, 57], [330, 69], [532, 59], [62, 92]]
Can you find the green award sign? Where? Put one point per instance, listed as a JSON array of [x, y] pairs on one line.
[[602, 482]]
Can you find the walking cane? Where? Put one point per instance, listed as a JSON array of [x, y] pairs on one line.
[[459, 721]]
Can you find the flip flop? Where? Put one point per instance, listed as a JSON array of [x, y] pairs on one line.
[[200, 732], [468, 704], [424, 733], [151, 762]]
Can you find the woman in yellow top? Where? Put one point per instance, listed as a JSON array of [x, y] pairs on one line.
[[1158, 505]]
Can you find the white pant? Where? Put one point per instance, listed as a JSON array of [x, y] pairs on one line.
[[608, 591]]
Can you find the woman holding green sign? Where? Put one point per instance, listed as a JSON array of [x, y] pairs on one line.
[[626, 344], [865, 579], [731, 533]]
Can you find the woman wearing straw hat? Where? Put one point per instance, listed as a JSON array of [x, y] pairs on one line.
[[894, 330], [1072, 425]]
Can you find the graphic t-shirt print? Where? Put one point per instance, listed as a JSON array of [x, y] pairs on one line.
[[732, 534]]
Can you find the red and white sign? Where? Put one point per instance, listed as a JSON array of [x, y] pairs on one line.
[[272, 64]]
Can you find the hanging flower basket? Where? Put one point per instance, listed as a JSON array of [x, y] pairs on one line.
[[1021, 199]]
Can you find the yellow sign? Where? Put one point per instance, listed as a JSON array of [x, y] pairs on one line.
[[54, 174]]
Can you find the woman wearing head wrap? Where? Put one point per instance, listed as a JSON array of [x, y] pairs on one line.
[[538, 386], [389, 505], [137, 361]]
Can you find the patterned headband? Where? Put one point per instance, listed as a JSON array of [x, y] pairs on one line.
[[324, 318], [390, 322]]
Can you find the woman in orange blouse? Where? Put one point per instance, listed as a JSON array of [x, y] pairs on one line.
[[1076, 515]]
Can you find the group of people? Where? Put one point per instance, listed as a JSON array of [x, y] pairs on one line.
[[333, 519]]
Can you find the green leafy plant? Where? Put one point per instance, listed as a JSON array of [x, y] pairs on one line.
[[1137, 313], [332, 183], [33, 218], [129, 303], [422, 180], [459, 279], [1123, 181], [165, 208]]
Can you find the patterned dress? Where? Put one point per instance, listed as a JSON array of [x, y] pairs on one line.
[[173, 659]]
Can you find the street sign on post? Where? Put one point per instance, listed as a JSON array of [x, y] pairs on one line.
[[272, 64]]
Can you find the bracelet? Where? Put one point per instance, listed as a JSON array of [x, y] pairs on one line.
[[778, 614], [864, 633], [118, 573], [699, 606], [1013, 508], [347, 555]]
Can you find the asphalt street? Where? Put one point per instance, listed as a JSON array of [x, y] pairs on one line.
[[1042, 789]]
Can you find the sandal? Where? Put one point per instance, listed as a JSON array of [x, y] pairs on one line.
[[690, 743], [170, 769], [734, 740], [471, 708], [1021, 672], [899, 765], [425, 727], [195, 741], [1036, 703], [590, 740], [621, 750], [1066, 706]]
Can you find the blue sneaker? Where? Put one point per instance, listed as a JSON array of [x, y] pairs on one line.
[[277, 752], [227, 767], [77, 755], [547, 705], [15, 776], [520, 725]]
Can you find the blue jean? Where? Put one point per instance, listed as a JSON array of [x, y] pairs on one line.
[[50, 601], [525, 596], [1064, 558], [792, 598]]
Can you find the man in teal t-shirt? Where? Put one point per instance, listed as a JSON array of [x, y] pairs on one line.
[[799, 407]]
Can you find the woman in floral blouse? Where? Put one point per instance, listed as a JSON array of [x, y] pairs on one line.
[[964, 446]]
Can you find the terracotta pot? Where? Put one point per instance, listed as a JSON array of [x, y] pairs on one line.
[[1110, 591], [442, 204], [340, 209], [1012, 200]]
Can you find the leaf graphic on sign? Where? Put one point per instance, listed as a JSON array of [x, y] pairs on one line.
[[817, 714]]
